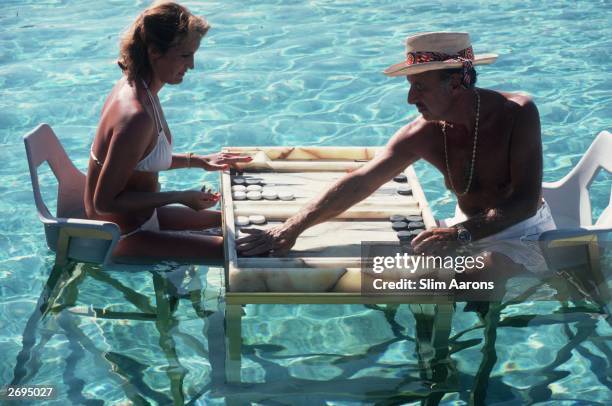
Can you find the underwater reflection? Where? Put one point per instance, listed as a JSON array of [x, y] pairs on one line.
[[119, 330], [158, 335]]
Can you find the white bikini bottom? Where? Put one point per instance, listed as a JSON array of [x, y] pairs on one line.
[[152, 224]]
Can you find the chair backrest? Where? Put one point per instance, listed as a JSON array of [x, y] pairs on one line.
[[42, 146], [569, 199], [71, 235]]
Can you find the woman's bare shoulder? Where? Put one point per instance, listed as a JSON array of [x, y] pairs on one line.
[[124, 115], [125, 101]]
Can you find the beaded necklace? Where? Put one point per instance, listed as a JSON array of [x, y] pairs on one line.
[[469, 183]]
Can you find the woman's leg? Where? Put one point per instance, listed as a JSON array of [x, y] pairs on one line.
[[183, 218], [183, 247], [190, 247]]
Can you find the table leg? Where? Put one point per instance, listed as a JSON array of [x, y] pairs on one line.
[[233, 337]]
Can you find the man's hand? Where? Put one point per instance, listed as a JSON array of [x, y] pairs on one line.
[[434, 240], [276, 240], [221, 161]]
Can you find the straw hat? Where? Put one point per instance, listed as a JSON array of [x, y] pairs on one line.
[[438, 50]]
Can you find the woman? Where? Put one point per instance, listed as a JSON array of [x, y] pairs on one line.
[[133, 143]]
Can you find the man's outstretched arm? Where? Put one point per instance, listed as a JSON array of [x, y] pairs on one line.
[[344, 193]]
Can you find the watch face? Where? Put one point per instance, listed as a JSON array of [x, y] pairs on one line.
[[463, 236]]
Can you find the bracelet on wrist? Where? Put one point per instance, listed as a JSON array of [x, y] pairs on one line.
[[189, 155]]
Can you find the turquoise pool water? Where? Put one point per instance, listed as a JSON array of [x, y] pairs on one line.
[[287, 73]]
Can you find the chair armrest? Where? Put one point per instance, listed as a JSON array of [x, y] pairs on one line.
[[552, 185], [87, 224], [571, 233], [571, 247], [69, 228]]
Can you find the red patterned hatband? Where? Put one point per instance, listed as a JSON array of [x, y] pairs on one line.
[[465, 56]]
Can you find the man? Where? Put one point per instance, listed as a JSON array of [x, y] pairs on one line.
[[486, 144]]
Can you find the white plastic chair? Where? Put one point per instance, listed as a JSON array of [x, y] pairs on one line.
[[70, 234], [577, 241], [568, 198]]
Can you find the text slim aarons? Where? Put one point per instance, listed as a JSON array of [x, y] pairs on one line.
[[431, 284]]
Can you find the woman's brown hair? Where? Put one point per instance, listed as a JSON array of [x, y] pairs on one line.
[[162, 26]]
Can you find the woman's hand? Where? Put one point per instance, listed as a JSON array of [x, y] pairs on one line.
[[199, 200], [276, 240], [221, 160]]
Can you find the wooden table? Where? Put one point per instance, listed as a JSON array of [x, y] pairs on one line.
[[324, 266]]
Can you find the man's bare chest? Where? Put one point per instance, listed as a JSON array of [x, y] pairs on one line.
[[485, 166]]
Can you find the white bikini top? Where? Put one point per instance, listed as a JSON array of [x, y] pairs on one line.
[[160, 157]]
